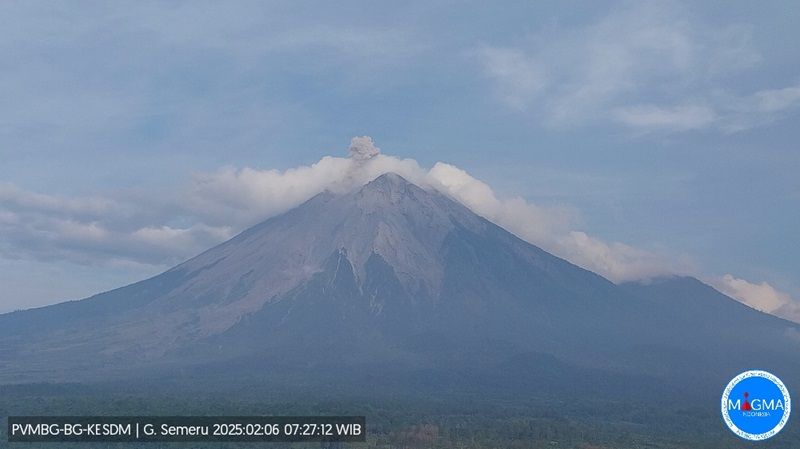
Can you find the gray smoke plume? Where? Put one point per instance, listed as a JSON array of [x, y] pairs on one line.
[[363, 148]]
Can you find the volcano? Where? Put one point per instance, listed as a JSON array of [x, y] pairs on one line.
[[395, 283]]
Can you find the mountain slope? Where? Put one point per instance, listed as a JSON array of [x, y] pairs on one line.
[[395, 280]]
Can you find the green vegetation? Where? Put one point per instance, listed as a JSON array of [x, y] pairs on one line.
[[395, 421]]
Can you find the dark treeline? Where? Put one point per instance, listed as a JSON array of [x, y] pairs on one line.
[[402, 421]]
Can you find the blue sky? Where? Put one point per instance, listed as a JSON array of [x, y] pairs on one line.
[[668, 127]]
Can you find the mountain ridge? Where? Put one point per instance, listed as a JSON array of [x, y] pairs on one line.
[[388, 275]]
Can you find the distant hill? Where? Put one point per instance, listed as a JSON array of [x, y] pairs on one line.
[[396, 284]]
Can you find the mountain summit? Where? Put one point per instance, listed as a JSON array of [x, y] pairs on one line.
[[392, 278]]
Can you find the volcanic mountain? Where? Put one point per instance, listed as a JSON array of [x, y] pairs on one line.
[[397, 283]]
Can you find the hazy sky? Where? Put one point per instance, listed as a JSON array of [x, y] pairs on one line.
[[664, 129]]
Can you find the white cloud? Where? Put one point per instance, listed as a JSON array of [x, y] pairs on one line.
[[248, 195], [185, 81], [22, 200], [245, 196], [762, 296], [757, 109], [519, 77], [649, 66], [95, 230], [180, 241], [677, 118], [616, 261], [551, 229], [214, 206]]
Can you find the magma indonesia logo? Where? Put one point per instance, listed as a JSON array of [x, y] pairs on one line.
[[756, 405]]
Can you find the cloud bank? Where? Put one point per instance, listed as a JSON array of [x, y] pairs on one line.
[[166, 229], [98, 230], [762, 296], [214, 206], [649, 66]]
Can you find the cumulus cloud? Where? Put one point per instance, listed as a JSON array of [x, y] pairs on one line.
[[214, 206], [242, 196], [248, 195], [92, 230], [761, 296], [653, 51], [245, 196], [164, 229], [553, 229]]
